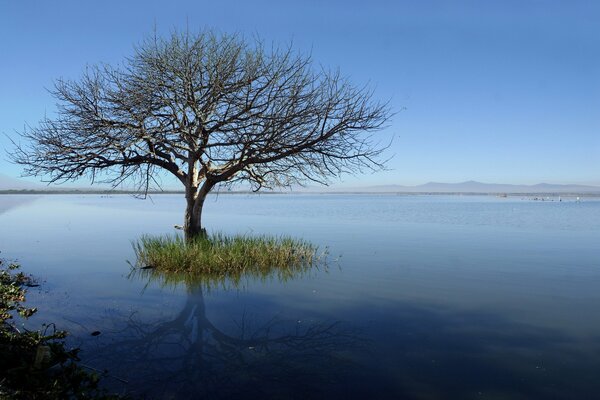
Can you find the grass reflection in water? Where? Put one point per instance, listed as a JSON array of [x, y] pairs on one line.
[[258, 356]]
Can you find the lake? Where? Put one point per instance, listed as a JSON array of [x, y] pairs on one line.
[[421, 297]]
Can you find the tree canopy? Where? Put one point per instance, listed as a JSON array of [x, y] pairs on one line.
[[211, 109]]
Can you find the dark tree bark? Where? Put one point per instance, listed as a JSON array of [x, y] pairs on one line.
[[211, 110], [193, 213]]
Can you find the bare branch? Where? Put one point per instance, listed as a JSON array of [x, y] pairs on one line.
[[210, 109]]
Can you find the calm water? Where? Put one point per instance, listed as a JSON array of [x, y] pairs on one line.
[[424, 297]]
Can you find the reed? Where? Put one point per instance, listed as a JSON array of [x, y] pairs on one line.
[[218, 256]]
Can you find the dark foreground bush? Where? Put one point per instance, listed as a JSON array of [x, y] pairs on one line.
[[36, 364]]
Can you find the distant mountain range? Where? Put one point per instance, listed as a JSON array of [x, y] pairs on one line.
[[471, 187], [7, 183]]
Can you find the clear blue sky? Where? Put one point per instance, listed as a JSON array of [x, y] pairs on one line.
[[495, 91]]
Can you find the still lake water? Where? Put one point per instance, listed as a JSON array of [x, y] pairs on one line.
[[423, 297]]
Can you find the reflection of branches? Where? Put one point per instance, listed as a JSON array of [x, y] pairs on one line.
[[189, 355]]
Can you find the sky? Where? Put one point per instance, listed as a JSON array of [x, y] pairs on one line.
[[493, 91]]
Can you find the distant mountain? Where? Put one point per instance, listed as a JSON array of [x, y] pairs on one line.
[[473, 187], [8, 183]]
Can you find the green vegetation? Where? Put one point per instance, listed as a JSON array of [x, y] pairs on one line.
[[218, 258], [36, 364]]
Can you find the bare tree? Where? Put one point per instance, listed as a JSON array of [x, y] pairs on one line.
[[211, 109]]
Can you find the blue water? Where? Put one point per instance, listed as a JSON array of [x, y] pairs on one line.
[[423, 297]]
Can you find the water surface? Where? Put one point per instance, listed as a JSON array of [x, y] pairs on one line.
[[424, 297]]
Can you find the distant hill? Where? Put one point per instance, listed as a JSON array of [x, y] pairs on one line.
[[473, 187], [8, 183], [479, 187], [11, 184]]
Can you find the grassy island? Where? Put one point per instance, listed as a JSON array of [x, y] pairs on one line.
[[217, 256]]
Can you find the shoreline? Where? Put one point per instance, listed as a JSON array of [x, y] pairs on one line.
[[541, 195]]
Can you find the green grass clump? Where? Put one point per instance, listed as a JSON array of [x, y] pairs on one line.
[[218, 257]]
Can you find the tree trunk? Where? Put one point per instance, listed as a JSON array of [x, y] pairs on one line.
[[193, 211], [191, 226]]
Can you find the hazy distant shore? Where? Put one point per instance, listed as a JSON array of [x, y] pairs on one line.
[[430, 188], [540, 195]]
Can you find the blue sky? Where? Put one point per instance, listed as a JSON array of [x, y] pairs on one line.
[[495, 91]]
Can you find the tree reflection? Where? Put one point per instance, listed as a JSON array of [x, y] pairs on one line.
[[188, 356]]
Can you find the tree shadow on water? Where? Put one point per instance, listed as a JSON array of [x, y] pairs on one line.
[[188, 356], [385, 349]]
